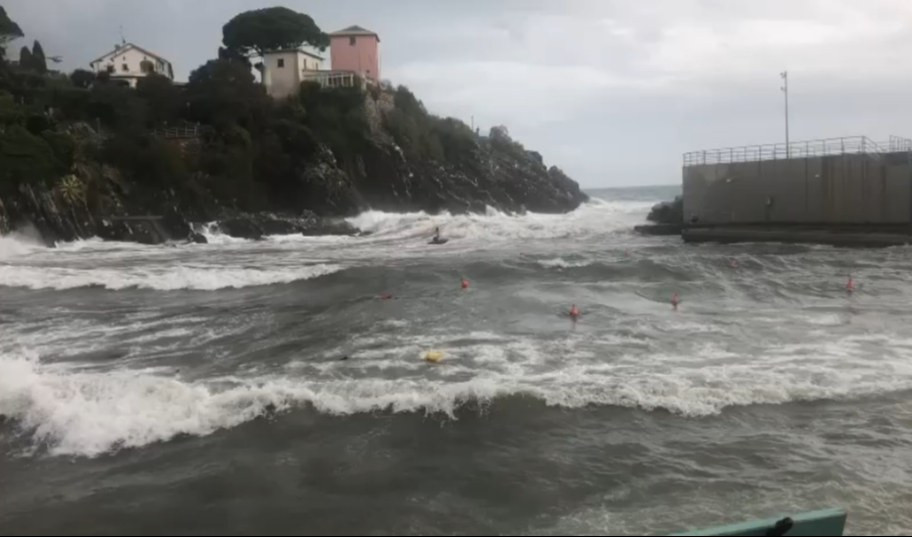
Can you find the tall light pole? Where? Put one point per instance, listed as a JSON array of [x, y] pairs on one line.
[[785, 90]]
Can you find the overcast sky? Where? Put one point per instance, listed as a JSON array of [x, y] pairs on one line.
[[613, 91]]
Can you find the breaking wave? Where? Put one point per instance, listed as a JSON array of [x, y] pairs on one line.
[[161, 278], [71, 411]]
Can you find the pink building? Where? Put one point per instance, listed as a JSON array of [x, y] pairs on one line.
[[356, 49]]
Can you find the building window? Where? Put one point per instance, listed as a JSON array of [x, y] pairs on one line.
[[281, 62], [124, 68], [351, 40], [110, 68]]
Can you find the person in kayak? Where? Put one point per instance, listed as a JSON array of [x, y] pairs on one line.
[[437, 238]]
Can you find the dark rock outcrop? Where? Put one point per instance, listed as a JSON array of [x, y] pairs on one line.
[[668, 212], [312, 225], [668, 217], [197, 238], [37, 207], [242, 227], [257, 226], [141, 231], [62, 213]]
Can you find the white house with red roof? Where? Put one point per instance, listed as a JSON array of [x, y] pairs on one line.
[[128, 63]]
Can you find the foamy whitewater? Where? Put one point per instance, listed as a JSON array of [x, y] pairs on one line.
[[145, 389]]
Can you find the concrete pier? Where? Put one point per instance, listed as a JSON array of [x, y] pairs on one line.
[[835, 191]]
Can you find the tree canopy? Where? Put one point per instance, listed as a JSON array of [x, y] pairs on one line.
[[9, 30], [261, 30], [223, 92], [39, 63], [25, 58], [162, 97], [33, 60], [25, 157], [82, 78]]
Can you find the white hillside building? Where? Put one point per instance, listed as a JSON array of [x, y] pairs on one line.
[[127, 63], [284, 70]]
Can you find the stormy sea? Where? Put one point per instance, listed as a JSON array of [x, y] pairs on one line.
[[280, 386]]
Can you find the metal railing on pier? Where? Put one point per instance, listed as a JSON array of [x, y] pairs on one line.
[[811, 148]]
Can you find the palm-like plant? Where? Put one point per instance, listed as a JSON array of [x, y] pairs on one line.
[[72, 190]]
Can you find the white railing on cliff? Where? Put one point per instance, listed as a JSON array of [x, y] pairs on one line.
[[186, 131], [811, 148], [334, 79]]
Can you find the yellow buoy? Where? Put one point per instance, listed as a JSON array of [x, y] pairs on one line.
[[433, 357]]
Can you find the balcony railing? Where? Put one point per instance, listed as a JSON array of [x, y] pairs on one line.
[[333, 79]]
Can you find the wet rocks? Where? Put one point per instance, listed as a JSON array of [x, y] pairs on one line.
[[668, 212]]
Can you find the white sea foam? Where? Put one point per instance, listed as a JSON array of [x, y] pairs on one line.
[[76, 409], [88, 412], [595, 217], [214, 235], [17, 244], [98, 245], [561, 263], [390, 235], [158, 277]]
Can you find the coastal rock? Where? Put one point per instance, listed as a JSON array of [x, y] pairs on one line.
[[243, 227], [314, 225], [197, 238], [492, 171], [5, 226], [668, 212], [175, 224], [257, 226]]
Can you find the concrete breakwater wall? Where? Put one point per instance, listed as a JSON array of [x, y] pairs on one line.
[[870, 186]]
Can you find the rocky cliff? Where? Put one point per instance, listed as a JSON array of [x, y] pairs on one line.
[[389, 169]]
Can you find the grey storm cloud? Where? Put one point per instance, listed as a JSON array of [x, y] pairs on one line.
[[612, 91]]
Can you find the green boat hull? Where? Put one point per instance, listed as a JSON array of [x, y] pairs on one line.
[[824, 523]]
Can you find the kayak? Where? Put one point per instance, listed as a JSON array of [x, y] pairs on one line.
[[438, 241]]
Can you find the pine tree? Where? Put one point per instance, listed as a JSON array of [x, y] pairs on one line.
[[39, 63], [25, 59]]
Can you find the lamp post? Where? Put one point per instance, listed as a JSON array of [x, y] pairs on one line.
[[785, 90]]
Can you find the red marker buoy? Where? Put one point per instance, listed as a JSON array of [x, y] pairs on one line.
[[850, 285], [465, 283], [574, 312], [386, 296], [675, 300]]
